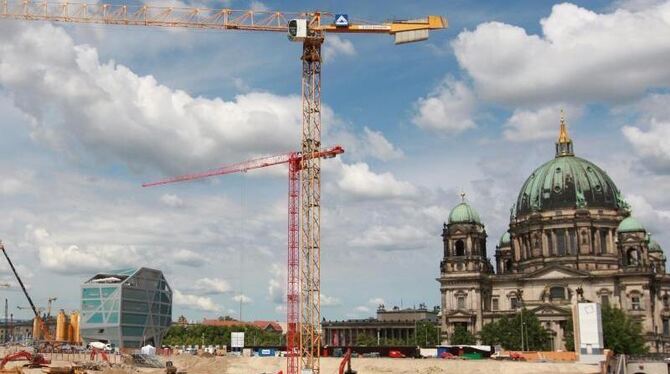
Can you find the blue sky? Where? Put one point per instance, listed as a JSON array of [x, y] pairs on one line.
[[88, 113]]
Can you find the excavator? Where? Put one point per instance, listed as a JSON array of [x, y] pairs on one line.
[[42, 327]]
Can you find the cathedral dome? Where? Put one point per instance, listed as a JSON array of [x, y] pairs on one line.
[[505, 239], [630, 224], [654, 246], [464, 213], [567, 182]]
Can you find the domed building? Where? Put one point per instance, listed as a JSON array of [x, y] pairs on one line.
[[569, 230]]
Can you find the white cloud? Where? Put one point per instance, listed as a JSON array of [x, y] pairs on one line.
[[580, 55], [241, 298], [649, 135], [529, 125], [195, 302], [391, 237], [448, 109], [258, 6], [187, 257], [211, 286], [172, 200], [277, 284], [329, 300], [376, 301], [359, 181], [337, 46], [109, 111], [362, 309], [379, 147]]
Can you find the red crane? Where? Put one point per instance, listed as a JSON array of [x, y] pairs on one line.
[[296, 161]]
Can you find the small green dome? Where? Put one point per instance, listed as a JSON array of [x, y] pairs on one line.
[[464, 213], [505, 239], [654, 246], [630, 224]]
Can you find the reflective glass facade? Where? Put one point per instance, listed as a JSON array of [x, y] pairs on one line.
[[128, 308]]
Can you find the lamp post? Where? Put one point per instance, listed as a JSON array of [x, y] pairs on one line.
[[519, 293]]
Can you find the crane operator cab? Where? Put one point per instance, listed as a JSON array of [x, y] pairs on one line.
[[297, 30]]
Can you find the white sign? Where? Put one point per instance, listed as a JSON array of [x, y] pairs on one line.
[[237, 340], [341, 20]]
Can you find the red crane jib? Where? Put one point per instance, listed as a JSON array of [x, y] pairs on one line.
[[294, 159], [251, 165]]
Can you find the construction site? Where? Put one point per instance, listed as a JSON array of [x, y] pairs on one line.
[[570, 253]]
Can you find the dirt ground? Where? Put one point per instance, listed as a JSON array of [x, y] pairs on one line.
[[329, 365]]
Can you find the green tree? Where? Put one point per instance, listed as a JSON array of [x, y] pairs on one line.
[[461, 335], [366, 340], [621, 332], [427, 334], [507, 332]]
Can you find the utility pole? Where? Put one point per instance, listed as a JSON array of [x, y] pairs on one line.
[[6, 321]]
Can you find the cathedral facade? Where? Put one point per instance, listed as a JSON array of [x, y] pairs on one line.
[[570, 231]]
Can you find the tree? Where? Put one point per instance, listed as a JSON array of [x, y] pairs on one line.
[[507, 332], [427, 334], [461, 335], [621, 332], [366, 340]]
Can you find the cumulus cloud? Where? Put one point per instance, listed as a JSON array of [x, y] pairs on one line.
[[205, 304], [329, 300], [448, 109], [391, 238], [379, 147], [359, 181], [242, 299], [376, 301], [337, 46], [107, 110], [75, 259], [529, 125], [277, 284], [172, 200], [580, 55], [362, 309], [211, 286], [649, 136], [187, 257]]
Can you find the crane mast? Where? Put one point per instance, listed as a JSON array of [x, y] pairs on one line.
[[304, 278]]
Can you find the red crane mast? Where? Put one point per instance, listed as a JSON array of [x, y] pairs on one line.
[[295, 161]]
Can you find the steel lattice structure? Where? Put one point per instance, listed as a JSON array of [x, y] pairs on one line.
[[303, 311]]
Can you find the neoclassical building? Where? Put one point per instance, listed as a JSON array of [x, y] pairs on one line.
[[569, 228]]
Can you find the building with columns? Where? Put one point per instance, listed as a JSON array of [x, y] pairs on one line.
[[569, 229]]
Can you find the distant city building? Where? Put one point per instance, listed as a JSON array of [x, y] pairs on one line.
[[267, 326], [128, 308], [22, 330], [571, 236], [390, 325]]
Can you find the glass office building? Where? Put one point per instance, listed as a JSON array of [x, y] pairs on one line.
[[128, 308]]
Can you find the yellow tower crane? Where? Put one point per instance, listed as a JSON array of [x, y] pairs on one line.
[[309, 28]]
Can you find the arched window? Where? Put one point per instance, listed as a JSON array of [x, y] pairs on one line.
[[557, 293], [508, 265], [631, 256], [482, 250], [460, 248]]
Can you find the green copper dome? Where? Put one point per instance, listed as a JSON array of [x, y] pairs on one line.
[[464, 213], [630, 224], [567, 182], [654, 246], [505, 239]]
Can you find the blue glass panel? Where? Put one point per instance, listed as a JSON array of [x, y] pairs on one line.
[[106, 291], [135, 306], [132, 331], [134, 319], [90, 293], [113, 317], [95, 318], [90, 304]]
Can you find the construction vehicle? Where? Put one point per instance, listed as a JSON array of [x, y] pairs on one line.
[[346, 361], [34, 360], [309, 28], [39, 325]]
